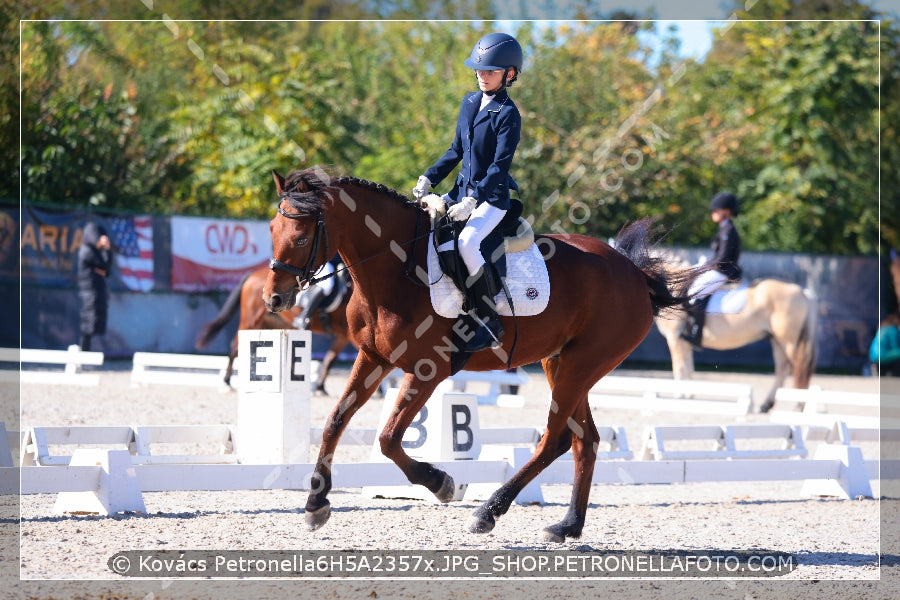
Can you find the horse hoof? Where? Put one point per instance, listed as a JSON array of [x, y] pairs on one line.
[[316, 518], [447, 490], [479, 524], [552, 537]]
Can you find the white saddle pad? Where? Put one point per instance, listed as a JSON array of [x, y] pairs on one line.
[[526, 278], [727, 302]]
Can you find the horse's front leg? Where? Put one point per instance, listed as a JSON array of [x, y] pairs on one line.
[[412, 396], [364, 379]]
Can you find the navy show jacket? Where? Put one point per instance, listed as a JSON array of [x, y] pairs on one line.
[[485, 142], [726, 247]]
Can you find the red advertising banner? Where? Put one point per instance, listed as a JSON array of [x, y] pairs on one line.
[[215, 254]]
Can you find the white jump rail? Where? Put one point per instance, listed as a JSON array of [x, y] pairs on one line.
[[653, 394], [72, 361], [496, 380], [193, 477], [36, 449], [198, 370], [723, 441], [138, 441], [843, 467], [816, 406]]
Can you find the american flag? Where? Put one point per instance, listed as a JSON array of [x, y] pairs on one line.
[[132, 239]]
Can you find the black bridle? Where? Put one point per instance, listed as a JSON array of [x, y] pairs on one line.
[[305, 273]]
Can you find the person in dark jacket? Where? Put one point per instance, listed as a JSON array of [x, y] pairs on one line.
[[726, 248], [94, 259], [485, 140]]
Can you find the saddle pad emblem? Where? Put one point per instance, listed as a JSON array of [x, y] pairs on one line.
[[526, 278]]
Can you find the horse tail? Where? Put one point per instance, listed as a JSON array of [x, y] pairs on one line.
[[805, 355], [228, 310], [668, 287]]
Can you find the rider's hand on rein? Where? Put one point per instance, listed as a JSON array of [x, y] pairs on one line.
[[462, 209]]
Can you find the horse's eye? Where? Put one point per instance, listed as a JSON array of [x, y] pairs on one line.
[[301, 242]]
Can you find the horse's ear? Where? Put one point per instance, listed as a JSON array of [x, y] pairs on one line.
[[279, 181]]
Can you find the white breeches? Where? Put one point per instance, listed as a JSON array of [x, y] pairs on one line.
[[706, 284], [484, 219]]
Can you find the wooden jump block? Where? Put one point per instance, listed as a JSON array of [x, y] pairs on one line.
[[723, 441], [654, 394], [72, 360], [114, 488]]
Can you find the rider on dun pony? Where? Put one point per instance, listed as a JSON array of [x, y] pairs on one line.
[[726, 247]]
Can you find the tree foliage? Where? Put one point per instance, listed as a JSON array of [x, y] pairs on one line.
[[188, 113]]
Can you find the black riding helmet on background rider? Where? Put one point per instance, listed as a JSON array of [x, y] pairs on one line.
[[725, 200], [497, 51]]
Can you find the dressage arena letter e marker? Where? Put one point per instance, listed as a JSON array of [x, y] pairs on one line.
[[299, 358], [255, 358], [273, 396]]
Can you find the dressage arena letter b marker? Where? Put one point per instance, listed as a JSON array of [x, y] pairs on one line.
[[461, 421], [445, 429], [273, 396]]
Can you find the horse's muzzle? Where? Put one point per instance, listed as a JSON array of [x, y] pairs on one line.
[[279, 302]]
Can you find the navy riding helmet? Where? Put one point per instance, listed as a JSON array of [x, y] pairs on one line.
[[496, 51]]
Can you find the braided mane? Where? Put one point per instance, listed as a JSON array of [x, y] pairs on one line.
[[302, 188]]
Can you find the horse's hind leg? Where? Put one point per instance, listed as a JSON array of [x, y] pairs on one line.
[[232, 354], [334, 351], [568, 421], [584, 451], [782, 370]]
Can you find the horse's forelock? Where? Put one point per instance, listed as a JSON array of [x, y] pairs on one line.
[[302, 187]]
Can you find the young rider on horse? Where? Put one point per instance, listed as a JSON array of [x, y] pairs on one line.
[[726, 247], [487, 133]]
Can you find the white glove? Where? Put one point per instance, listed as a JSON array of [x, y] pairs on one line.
[[462, 210], [423, 185]]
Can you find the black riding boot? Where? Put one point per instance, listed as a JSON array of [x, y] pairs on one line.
[[313, 298], [696, 318], [481, 293]]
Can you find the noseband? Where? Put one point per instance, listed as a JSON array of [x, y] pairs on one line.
[[304, 273]]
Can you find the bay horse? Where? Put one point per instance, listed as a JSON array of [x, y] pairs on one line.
[[601, 306], [254, 315], [782, 312]]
